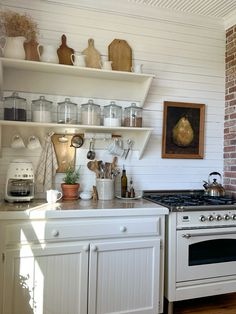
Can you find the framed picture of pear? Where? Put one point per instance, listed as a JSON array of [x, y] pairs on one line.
[[183, 130]]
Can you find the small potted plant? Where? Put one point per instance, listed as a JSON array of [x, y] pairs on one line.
[[70, 186], [20, 35]]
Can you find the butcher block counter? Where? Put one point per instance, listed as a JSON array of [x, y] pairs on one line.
[[82, 256]]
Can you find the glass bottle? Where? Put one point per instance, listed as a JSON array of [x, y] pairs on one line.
[[123, 182], [67, 112], [112, 115], [41, 110], [14, 107], [90, 113], [133, 116]]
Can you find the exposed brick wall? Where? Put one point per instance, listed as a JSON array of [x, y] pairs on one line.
[[230, 113]]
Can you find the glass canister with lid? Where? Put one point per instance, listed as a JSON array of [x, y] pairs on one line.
[[14, 107], [133, 116], [67, 112], [112, 115], [41, 110], [90, 113]]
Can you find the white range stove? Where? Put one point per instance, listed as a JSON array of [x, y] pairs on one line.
[[200, 244]]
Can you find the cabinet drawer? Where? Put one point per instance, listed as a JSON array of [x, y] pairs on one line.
[[37, 231]]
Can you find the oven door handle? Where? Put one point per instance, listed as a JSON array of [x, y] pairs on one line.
[[204, 234]]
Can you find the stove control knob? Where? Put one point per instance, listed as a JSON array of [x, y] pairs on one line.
[[233, 217], [210, 218], [202, 218], [218, 217], [226, 217]]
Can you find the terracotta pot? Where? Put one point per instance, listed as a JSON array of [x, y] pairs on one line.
[[70, 191]]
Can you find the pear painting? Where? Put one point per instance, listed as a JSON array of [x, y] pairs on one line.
[[183, 132]]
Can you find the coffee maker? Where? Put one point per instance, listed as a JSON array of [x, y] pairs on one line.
[[20, 181]]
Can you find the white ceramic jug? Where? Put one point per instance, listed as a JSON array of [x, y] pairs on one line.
[[78, 59], [14, 47], [49, 53]]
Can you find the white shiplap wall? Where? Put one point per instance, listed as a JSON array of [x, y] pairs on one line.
[[186, 53]]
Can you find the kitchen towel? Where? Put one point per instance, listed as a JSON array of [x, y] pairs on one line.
[[47, 165]]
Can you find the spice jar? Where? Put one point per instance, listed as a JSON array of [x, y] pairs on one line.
[[133, 116], [41, 110], [90, 113], [14, 107], [112, 115], [67, 112]]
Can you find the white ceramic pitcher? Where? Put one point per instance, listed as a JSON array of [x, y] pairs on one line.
[[13, 47], [49, 53], [78, 59]]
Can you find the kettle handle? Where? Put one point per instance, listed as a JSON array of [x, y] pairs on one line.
[[214, 173]]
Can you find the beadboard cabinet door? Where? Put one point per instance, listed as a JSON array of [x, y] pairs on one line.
[[46, 279], [124, 277]]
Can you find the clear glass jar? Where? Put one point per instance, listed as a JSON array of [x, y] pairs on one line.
[[133, 116], [14, 108], [112, 115], [41, 110], [67, 112], [90, 113]]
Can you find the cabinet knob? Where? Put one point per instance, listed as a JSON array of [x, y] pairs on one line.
[[93, 248], [123, 228], [86, 248], [55, 233]]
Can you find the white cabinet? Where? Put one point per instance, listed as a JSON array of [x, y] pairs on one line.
[[57, 79], [83, 267]]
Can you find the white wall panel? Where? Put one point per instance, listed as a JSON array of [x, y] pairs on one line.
[[185, 53]]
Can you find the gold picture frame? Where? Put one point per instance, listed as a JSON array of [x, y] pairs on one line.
[[183, 130]]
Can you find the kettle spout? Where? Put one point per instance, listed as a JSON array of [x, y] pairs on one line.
[[205, 185]]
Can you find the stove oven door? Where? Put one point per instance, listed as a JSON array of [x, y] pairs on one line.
[[208, 253]]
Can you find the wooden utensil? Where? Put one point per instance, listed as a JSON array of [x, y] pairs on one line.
[[93, 57], [120, 53], [64, 52], [65, 154], [93, 166]]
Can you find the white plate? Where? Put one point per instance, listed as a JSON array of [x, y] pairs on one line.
[[129, 198]]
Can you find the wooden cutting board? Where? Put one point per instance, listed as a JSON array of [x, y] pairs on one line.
[[93, 57], [64, 52], [120, 53], [64, 152]]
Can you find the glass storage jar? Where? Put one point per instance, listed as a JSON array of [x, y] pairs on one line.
[[90, 113], [14, 107], [41, 110], [112, 115], [67, 112], [133, 116]]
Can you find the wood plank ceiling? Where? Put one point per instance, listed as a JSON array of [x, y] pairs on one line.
[[211, 8]]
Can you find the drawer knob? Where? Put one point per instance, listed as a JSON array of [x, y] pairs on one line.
[[55, 233], [93, 248], [123, 228], [86, 248]]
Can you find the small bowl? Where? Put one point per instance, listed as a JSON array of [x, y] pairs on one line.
[[86, 195]]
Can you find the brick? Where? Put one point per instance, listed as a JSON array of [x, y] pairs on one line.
[[232, 89], [230, 96], [229, 149]]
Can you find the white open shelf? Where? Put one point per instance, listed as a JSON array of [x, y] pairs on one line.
[[57, 79], [140, 136]]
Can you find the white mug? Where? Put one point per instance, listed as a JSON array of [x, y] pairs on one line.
[[78, 59], [138, 68], [115, 148], [106, 65], [17, 142], [33, 142], [53, 196]]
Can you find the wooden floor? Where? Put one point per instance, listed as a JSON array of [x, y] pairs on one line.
[[223, 304]]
